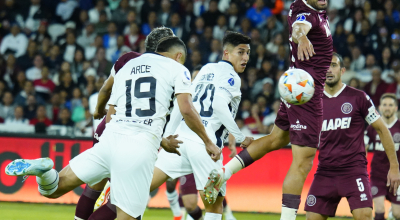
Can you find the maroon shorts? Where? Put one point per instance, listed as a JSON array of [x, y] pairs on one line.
[[99, 131], [327, 191], [188, 185], [304, 122], [379, 188]]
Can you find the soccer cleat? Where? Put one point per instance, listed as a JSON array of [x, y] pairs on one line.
[[22, 167], [104, 196], [213, 185], [178, 218]]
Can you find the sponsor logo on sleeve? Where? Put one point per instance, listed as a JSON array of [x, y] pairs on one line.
[[311, 200], [231, 81], [186, 75], [302, 16], [186, 78]]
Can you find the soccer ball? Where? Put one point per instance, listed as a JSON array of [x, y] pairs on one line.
[[296, 86]]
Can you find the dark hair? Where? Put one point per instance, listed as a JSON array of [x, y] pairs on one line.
[[165, 44], [235, 38], [155, 36], [340, 59], [391, 96]]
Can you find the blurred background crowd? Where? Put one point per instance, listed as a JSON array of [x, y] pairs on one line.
[[56, 54]]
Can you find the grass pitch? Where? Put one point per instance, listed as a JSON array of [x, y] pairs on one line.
[[29, 211]]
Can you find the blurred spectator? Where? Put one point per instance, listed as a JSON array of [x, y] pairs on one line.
[[355, 83], [188, 17], [85, 126], [233, 16], [70, 27], [381, 22], [8, 13], [245, 107], [65, 118], [19, 83], [353, 24], [396, 45], [65, 9], [389, 75], [53, 108], [245, 27], [151, 23], [369, 13], [195, 59], [78, 114], [349, 74], [267, 91], [65, 67], [3, 87], [391, 13], [258, 13], [165, 13], [17, 118], [137, 5], [282, 62], [7, 106], [30, 107], [254, 122], [110, 39], [10, 71], [34, 72], [358, 58], [77, 65], [44, 86], [377, 87], [41, 33], [14, 42], [365, 75], [45, 47], [68, 49], [395, 87], [120, 13], [90, 50], [101, 27], [365, 37], [87, 37], [176, 26], [94, 13], [66, 84], [83, 20], [130, 19], [220, 28], [54, 59], [40, 117], [386, 59], [134, 37], [272, 46], [114, 53], [76, 100], [381, 40], [100, 63], [348, 9], [211, 16], [270, 118], [243, 128], [272, 27], [334, 19], [199, 27], [148, 7], [33, 14], [260, 55], [216, 52]]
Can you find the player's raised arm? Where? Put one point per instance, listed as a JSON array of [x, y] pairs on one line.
[[393, 179], [305, 49]]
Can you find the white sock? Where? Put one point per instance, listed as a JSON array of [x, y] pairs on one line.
[[288, 213], [212, 216], [232, 167], [48, 182], [228, 213], [173, 203]]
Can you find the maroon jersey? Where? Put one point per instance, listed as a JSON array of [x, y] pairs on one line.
[[342, 147], [380, 163], [320, 37], [124, 59]]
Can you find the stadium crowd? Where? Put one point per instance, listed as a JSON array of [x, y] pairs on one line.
[[55, 55]]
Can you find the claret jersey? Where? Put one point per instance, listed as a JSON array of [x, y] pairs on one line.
[[142, 92]]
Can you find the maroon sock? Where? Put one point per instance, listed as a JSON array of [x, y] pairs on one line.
[[105, 212], [196, 214], [224, 203], [86, 202], [379, 216], [291, 201], [180, 201], [245, 157]]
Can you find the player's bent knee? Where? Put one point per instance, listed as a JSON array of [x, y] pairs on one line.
[[362, 214], [396, 214]]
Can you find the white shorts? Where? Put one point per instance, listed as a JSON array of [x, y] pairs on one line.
[[129, 160], [194, 159]]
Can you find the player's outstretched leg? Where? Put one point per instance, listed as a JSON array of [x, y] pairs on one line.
[[85, 205], [296, 176], [213, 211], [274, 141], [362, 214], [173, 198], [105, 212], [51, 183]]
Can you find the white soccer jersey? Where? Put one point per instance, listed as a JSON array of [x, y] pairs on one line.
[[216, 96], [142, 92]]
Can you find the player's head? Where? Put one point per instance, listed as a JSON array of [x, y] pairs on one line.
[[335, 71], [318, 4], [172, 47], [388, 105], [236, 48], [154, 37]]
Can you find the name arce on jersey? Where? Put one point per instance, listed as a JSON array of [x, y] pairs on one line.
[[334, 124], [140, 69]]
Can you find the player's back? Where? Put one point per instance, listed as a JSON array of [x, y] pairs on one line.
[[214, 79], [319, 35], [142, 92], [342, 147]]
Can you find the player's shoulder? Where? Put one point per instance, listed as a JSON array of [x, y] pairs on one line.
[[351, 91], [125, 59], [301, 6]]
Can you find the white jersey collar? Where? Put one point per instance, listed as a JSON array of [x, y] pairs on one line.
[[337, 93], [305, 2], [389, 126], [226, 63]]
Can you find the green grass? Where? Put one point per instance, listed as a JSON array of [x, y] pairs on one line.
[[30, 211]]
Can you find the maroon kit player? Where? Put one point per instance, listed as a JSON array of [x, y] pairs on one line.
[[311, 50], [380, 164], [342, 168]]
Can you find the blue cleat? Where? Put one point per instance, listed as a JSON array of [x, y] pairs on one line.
[[22, 167]]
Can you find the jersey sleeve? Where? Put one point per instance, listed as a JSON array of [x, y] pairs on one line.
[[229, 87], [182, 80], [310, 19], [112, 72], [368, 110]]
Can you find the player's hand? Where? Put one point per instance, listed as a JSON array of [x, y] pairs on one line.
[[99, 114], [213, 151], [171, 144], [247, 141], [305, 50], [233, 151], [393, 180]]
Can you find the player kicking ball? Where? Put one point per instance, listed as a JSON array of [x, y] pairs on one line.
[[128, 148], [342, 169], [380, 164]]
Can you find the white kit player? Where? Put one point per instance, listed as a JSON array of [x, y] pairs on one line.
[[127, 150], [216, 96]]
